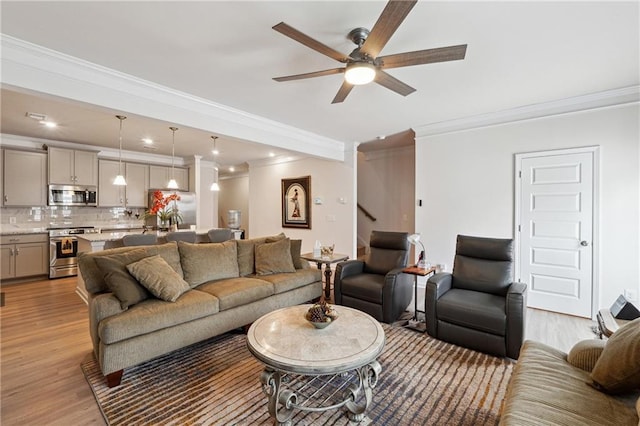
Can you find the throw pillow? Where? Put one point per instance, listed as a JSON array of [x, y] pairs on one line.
[[246, 255], [208, 261], [296, 248], [273, 258], [114, 267], [584, 354], [157, 276], [618, 368]]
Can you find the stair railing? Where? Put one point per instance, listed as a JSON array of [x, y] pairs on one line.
[[366, 213]]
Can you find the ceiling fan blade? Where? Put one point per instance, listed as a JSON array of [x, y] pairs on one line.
[[343, 92], [310, 74], [311, 43], [392, 83], [427, 56], [387, 24]]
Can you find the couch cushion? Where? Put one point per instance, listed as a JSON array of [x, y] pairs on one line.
[[585, 353], [125, 287], [285, 282], [155, 274], [93, 277], [273, 258], [246, 255], [155, 314], [618, 368], [474, 310], [296, 249], [544, 389], [237, 291], [209, 261]]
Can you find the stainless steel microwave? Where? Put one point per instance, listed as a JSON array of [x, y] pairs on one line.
[[68, 195]]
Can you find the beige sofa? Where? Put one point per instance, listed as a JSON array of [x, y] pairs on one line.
[[595, 384], [147, 301]]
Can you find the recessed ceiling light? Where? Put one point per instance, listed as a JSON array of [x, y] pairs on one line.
[[232, 169], [147, 141], [271, 154], [49, 124], [381, 137]]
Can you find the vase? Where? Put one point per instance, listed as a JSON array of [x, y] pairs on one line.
[[164, 225]]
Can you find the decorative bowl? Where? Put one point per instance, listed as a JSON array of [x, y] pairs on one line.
[[321, 315]]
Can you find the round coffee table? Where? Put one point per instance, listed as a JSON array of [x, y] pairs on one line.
[[313, 369]]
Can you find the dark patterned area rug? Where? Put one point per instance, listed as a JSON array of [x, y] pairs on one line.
[[216, 382]]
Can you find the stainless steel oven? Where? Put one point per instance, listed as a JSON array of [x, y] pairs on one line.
[[63, 250]]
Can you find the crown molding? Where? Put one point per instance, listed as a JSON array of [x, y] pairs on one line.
[[33, 67], [604, 99]]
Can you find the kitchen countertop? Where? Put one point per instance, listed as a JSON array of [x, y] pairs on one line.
[[6, 229], [112, 236], [41, 228]]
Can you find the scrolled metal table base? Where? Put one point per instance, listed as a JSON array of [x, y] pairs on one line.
[[353, 390]]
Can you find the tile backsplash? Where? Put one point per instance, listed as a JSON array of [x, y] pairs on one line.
[[77, 216]]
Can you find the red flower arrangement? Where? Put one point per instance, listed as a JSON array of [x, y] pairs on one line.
[[160, 207]]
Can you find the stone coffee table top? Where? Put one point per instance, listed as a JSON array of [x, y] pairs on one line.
[[286, 341]]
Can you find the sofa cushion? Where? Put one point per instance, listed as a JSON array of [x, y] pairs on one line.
[[208, 261], [125, 287], [246, 255], [545, 389], [286, 282], [155, 314], [273, 258], [155, 274], [237, 291], [585, 353], [94, 278], [296, 249], [618, 368]]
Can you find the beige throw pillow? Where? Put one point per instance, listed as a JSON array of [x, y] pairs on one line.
[[209, 261], [618, 368], [585, 354], [155, 274], [273, 258], [296, 247], [125, 287]]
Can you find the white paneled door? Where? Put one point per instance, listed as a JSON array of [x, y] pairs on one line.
[[556, 229]]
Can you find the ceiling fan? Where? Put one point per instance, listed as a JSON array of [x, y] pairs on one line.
[[363, 65]]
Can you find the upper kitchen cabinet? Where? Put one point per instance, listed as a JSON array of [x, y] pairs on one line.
[[137, 176], [24, 178], [109, 195], [159, 177], [73, 167]]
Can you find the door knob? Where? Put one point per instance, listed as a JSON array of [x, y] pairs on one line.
[[583, 243]]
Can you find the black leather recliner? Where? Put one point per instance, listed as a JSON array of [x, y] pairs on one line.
[[377, 285], [479, 306]]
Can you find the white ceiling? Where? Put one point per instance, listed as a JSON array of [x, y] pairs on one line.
[[519, 53]]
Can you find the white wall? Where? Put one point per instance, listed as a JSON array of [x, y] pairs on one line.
[[207, 199], [330, 180], [466, 180], [386, 188], [234, 195]]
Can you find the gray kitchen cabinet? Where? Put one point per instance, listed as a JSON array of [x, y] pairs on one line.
[[24, 255], [73, 167], [159, 177], [137, 176], [25, 178], [109, 195]]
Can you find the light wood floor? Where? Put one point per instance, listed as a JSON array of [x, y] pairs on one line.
[[45, 336]]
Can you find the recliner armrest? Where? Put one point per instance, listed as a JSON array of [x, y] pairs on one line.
[[516, 311], [343, 270], [437, 285], [348, 268]]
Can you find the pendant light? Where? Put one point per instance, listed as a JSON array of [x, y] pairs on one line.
[[172, 182], [120, 180], [214, 185]]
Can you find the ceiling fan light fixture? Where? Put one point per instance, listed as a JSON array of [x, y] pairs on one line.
[[360, 73]]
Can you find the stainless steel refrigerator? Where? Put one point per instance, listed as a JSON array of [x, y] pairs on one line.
[[186, 207]]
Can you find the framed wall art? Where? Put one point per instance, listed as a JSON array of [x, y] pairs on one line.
[[296, 202]]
